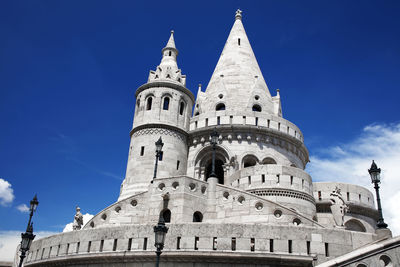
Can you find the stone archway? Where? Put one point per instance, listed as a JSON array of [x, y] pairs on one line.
[[203, 163]]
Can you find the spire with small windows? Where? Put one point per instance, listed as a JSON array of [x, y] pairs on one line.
[[237, 80], [168, 69]]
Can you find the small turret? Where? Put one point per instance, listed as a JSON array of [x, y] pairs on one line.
[[168, 68], [163, 108]]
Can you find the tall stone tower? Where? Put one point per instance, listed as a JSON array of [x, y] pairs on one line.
[[163, 108]]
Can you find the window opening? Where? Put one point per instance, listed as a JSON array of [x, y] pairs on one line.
[[290, 246], [149, 103], [197, 216], [214, 243], [129, 244], [166, 103], [263, 178], [178, 242], [233, 244], [252, 244], [77, 247], [182, 108], [256, 108], [249, 180], [239, 41], [291, 180], [101, 245], [271, 245], [308, 247], [326, 250], [115, 244], [145, 243], [256, 121], [196, 243], [348, 196], [142, 151], [206, 122], [319, 195], [218, 120], [177, 164], [220, 106]]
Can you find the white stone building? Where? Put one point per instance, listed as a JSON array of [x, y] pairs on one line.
[[262, 209]]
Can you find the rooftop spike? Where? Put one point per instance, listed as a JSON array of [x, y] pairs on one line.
[[238, 14], [171, 41]]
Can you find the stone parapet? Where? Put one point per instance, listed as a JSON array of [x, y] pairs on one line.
[[135, 242]]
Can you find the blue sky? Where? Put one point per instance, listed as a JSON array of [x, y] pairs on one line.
[[69, 70]]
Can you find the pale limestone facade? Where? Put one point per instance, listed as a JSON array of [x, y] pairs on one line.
[[262, 210]]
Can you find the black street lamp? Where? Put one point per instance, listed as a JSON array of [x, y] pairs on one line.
[[159, 146], [28, 236], [375, 174], [214, 141], [160, 231]]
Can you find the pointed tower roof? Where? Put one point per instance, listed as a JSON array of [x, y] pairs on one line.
[[171, 42], [168, 69], [237, 76]]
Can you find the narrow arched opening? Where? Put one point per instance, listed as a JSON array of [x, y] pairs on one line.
[[181, 108], [166, 103], [197, 216], [166, 215], [220, 106], [149, 103]]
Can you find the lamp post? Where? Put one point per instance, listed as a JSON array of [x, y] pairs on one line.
[[159, 146], [214, 141], [28, 236], [375, 174], [160, 231]]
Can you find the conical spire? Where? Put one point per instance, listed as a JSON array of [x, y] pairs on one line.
[[171, 41], [168, 68], [237, 76]]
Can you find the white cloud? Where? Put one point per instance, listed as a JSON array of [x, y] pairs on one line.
[[349, 163], [23, 208], [9, 240], [6, 192], [86, 218]]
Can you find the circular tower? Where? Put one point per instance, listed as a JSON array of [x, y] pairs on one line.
[[163, 109], [259, 151]]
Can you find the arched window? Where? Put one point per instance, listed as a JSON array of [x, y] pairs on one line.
[[354, 225], [181, 108], [169, 53], [257, 108], [149, 103], [249, 161], [166, 103], [197, 216], [220, 106], [166, 214], [268, 161]]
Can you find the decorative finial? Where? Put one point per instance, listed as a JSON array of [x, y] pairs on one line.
[[277, 92], [238, 14], [172, 31]]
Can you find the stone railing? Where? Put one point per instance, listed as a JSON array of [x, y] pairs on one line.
[[264, 121], [138, 240]]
